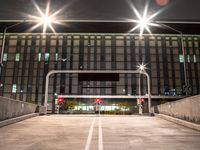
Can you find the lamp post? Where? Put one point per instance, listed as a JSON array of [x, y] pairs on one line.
[[162, 23], [141, 69], [44, 19], [139, 101], [143, 22], [3, 41]]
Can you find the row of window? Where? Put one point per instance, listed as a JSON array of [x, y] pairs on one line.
[[172, 91], [108, 41], [189, 58], [17, 56]]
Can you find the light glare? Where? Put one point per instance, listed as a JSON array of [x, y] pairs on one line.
[[142, 67], [143, 21], [45, 19]]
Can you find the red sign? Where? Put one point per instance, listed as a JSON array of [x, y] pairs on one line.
[[141, 100], [98, 100], [60, 100]]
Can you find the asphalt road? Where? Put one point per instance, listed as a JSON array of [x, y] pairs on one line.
[[90, 132]]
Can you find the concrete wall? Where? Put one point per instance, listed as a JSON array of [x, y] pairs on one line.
[[187, 109], [10, 108]]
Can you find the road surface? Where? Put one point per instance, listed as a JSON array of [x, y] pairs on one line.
[[91, 132]]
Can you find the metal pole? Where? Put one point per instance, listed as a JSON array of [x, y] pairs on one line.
[[184, 62], [46, 90], [99, 109], [139, 86], [182, 48], [100, 20], [97, 71], [2, 49], [149, 91], [140, 105]]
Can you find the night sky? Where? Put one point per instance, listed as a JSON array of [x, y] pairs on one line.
[[179, 10]]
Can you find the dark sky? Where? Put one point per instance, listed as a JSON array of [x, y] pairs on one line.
[[181, 10]]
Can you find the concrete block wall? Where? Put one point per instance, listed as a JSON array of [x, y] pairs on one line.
[[10, 108], [186, 109]]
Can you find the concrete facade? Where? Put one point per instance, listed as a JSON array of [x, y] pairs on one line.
[[186, 109], [28, 57], [10, 108]]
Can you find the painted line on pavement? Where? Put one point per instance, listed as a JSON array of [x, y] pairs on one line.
[[89, 139], [100, 142]]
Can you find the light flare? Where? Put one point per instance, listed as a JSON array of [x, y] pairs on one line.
[[143, 21], [45, 19], [142, 67]]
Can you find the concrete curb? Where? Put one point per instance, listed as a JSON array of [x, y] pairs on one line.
[[17, 119], [179, 121]]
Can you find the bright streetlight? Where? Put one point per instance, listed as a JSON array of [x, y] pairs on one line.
[[144, 22], [142, 67], [44, 19], [3, 41]]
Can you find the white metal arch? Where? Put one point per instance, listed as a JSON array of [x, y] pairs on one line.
[[98, 71]]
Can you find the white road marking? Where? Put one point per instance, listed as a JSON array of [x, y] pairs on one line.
[[100, 142], [89, 139]]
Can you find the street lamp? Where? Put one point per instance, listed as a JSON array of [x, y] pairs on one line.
[[182, 48], [141, 69], [3, 41], [44, 19], [144, 22]]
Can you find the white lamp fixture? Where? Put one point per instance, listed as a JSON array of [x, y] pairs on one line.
[[143, 21], [45, 19]]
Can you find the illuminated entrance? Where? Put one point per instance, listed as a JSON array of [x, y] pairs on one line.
[[96, 72], [107, 105]]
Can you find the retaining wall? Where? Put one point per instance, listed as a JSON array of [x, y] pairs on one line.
[[186, 109], [10, 108]]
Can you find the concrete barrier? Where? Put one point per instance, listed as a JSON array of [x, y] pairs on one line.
[[10, 108], [17, 119], [187, 109], [191, 125]]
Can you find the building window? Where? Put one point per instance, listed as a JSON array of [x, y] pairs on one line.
[[5, 57], [17, 57], [56, 56], [181, 58], [46, 57], [29, 88], [173, 92], [14, 88], [39, 56], [195, 59], [188, 58]]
